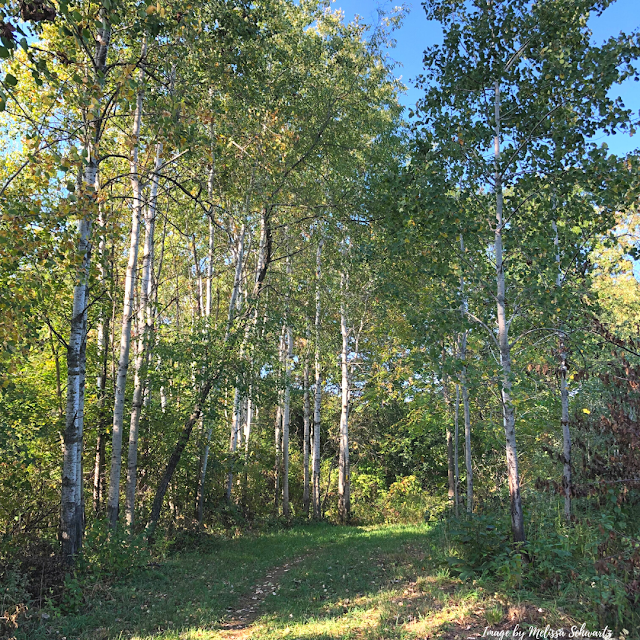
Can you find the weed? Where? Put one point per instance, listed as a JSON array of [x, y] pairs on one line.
[[494, 615]]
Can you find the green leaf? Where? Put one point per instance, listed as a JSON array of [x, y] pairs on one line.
[[11, 80]]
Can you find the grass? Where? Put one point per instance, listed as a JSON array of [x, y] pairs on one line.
[[364, 583]]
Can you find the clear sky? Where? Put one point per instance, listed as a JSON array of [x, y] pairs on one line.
[[417, 33]]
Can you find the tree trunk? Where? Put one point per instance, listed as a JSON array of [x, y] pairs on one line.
[[233, 304], [143, 345], [278, 445], [203, 477], [279, 419], [566, 434], [508, 411], [286, 416], [465, 393], [71, 492], [101, 381], [467, 425], [207, 442], [113, 503], [317, 393], [197, 412], [456, 470], [98, 471], [305, 421], [174, 459], [451, 476], [564, 397], [235, 430], [344, 498]]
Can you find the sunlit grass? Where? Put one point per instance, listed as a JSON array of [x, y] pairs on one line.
[[367, 583]]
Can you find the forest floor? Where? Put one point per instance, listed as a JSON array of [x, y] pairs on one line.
[[307, 582]]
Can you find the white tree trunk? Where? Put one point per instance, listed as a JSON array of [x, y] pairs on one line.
[[233, 304], [344, 497], [286, 416], [127, 314], [102, 331], [143, 343], [467, 424], [306, 426], [451, 475], [233, 440], [456, 469], [71, 512], [508, 411], [465, 392], [317, 397]]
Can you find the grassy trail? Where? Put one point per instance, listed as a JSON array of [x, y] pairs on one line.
[[312, 582]]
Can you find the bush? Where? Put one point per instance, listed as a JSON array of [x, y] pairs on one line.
[[15, 600], [482, 546], [112, 553], [405, 501]]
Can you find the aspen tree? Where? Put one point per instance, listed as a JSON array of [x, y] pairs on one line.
[[113, 503], [143, 344], [317, 394], [344, 489], [71, 495]]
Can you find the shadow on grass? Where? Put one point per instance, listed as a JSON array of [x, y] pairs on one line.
[[190, 595]]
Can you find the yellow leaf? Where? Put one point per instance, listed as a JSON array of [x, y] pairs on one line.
[[586, 411]]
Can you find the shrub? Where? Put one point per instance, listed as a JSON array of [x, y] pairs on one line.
[[15, 600], [405, 501], [112, 553]]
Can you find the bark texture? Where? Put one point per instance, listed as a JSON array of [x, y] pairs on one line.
[[113, 503], [508, 411], [317, 396], [71, 511], [344, 493]]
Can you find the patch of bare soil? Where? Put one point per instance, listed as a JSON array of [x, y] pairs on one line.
[[246, 611]]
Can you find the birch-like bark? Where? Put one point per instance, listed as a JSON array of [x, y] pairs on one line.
[[102, 331], [143, 343], [317, 396], [233, 441], [247, 435], [210, 269], [286, 418], [344, 498], [465, 393], [451, 476], [286, 409], [209, 288], [279, 419], [508, 411], [71, 516], [305, 421], [278, 446], [467, 424], [113, 503], [456, 469], [233, 303]]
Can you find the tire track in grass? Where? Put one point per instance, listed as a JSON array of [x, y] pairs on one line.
[[246, 611]]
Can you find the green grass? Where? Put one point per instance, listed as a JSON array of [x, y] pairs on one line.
[[368, 583]]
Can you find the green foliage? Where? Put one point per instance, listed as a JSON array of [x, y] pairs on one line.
[[481, 544], [15, 599], [112, 553]]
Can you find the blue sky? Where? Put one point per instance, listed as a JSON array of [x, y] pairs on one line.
[[417, 33]]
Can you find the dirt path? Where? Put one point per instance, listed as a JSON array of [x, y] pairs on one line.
[[246, 611]]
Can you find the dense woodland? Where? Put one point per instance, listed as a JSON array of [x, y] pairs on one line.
[[242, 287]]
